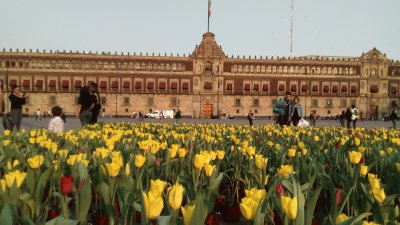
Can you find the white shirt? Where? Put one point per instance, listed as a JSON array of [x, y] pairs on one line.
[[56, 124]]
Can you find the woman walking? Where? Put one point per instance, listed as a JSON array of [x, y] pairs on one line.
[[96, 96], [297, 112], [17, 100], [86, 102]]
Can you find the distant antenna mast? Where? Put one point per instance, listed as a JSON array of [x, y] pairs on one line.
[[291, 30]]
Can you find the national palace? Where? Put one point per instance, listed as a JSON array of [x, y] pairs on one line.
[[204, 83]]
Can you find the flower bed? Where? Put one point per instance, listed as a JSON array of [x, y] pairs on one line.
[[127, 173]]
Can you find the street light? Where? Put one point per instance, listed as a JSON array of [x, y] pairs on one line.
[[116, 89]]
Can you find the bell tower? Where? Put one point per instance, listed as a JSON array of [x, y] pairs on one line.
[[208, 63]]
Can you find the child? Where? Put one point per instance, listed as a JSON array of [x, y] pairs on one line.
[[57, 123]]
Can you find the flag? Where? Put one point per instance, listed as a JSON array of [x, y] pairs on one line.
[[209, 8]]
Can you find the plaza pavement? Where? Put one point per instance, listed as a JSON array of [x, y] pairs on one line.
[[73, 123]]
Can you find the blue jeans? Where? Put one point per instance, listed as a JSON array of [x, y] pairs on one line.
[[85, 117]]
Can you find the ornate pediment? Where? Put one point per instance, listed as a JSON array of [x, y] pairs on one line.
[[208, 48], [374, 55]]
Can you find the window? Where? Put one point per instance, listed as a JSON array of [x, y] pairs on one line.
[[237, 101], [126, 110], [255, 102], [174, 101], [52, 100], [329, 103], [314, 103], [104, 100], [150, 101], [126, 101], [343, 103]]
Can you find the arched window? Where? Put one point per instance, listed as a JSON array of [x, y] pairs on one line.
[[246, 69], [280, 69], [167, 67], [234, 68], [291, 70], [329, 70], [258, 69], [335, 70], [162, 66], [269, 69], [274, 69], [285, 69], [340, 71], [318, 70], [137, 66], [174, 67], [143, 67], [149, 66], [252, 69], [296, 69], [351, 72], [262, 69], [240, 68]]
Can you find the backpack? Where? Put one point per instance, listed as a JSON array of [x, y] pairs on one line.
[[275, 109]]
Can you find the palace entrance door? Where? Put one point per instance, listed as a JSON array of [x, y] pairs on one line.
[[373, 112], [206, 110]]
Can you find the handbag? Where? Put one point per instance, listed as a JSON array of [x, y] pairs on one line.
[[303, 123]]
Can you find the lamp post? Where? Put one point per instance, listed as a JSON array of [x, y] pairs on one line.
[[116, 89]]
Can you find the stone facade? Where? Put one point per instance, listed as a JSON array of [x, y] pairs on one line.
[[205, 82]]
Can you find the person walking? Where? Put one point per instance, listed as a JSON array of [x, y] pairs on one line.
[[86, 102], [354, 115], [348, 116], [284, 106], [178, 115], [313, 118], [393, 118], [38, 115], [17, 100], [297, 111], [342, 118], [56, 124], [250, 117], [94, 91]]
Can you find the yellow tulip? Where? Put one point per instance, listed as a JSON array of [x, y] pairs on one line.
[[187, 213], [363, 170], [182, 152], [248, 207], [173, 152], [251, 150], [289, 206], [398, 167], [15, 163], [113, 169], [157, 186], [6, 132], [32, 133], [375, 183], [16, 177], [3, 185], [6, 142], [379, 195], [257, 194], [357, 141], [127, 169], [63, 153], [369, 223], [355, 157], [175, 196], [261, 162], [139, 161], [199, 161], [153, 204], [9, 166], [285, 170], [32, 140], [220, 154], [341, 218], [36, 161], [316, 138], [209, 169], [292, 152]]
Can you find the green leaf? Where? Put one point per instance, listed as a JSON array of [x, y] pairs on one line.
[[27, 199], [39, 190], [6, 215], [61, 221], [85, 198], [356, 219], [104, 190]]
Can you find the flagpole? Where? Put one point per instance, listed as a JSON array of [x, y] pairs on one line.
[[208, 16], [208, 24]]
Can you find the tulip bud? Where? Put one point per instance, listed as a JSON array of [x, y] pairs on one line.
[[66, 184], [279, 190], [338, 197]]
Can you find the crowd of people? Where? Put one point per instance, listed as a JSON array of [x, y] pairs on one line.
[[287, 111]]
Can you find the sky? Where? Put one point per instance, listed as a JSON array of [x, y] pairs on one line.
[[241, 27]]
